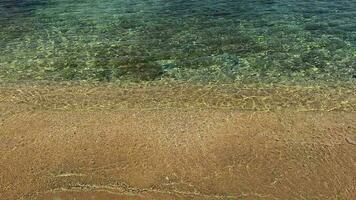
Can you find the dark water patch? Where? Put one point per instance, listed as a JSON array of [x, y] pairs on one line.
[[12, 9]]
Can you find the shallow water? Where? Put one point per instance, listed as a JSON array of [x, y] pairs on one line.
[[185, 40], [172, 138]]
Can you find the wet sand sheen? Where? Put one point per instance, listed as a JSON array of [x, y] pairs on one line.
[[54, 152]]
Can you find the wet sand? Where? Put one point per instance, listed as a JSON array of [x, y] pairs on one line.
[[55, 150]]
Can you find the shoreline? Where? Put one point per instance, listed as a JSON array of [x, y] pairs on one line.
[[166, 96]]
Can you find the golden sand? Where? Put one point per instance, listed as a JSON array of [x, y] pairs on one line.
[[177, 142]]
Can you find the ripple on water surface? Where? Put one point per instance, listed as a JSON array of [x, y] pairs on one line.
[[185, 40]]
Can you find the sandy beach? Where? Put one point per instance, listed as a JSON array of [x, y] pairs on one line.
[[177, 99], [181, 142]]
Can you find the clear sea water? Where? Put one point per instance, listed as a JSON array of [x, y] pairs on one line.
[[183, 40]]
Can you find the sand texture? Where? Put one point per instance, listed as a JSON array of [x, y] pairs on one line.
[[81, 142]]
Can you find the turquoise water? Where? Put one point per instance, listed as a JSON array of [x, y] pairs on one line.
[[196, 40]]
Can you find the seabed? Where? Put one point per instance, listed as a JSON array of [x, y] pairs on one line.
[[178, 99]]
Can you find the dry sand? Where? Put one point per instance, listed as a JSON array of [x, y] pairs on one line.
[[91, 142]]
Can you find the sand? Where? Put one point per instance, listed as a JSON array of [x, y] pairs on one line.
[[114, 142]]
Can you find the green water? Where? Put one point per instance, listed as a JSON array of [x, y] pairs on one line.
[[182, 40]]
